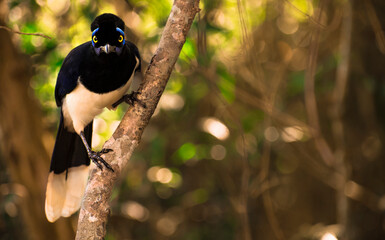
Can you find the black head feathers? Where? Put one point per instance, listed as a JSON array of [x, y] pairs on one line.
[[107, 20], [108, 34]]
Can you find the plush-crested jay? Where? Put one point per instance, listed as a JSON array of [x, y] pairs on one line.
[[94, 75]]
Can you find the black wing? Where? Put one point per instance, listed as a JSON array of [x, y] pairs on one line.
[[69, 72], [133, 49]]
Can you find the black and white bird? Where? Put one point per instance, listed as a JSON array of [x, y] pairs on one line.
[[94, 76]]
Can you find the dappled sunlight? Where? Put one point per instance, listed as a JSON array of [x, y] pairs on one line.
[[163, 175], [270, 126], [218, 152], [329, 236], [170, 101], [166, 226], [58, 7], [152, 172], [135, 211], [287, 24], [271, 134], [292, 134], [215, 127]]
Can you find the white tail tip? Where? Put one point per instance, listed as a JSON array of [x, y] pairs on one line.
[[63, 196]]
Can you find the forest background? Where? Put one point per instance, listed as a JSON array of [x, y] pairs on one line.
[[271, 126]]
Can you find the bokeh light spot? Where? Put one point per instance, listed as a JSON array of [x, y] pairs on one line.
[[218, 152], [271, 134], [292, 134], [216, 128], [135, 211], [329, 236], [187, 151]]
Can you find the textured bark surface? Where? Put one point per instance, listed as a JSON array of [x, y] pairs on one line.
[[95, 207]]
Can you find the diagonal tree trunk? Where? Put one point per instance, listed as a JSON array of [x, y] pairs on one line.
[[95, 208]]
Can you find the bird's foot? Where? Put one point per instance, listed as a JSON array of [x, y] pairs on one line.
[[98, 160], [130, 99]]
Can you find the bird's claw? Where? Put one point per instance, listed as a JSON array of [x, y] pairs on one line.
[[129, 99], [104, 150], [132, 98], [97, 159]]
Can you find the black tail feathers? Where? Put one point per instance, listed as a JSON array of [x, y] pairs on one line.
[[69, 150], [68, 175]]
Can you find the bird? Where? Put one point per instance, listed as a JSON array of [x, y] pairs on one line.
[[94, 75]]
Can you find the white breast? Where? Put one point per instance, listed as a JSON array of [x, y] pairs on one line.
[[81, 105]]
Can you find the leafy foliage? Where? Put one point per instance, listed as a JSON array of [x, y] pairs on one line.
[[231, 138]]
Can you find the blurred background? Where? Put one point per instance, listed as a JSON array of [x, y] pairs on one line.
[[271, 125]]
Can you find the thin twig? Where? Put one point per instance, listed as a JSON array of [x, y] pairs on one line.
[[337, 124], [329, 177], [267, 202], [240, 203], [376, 25], [317, 22], [241, 12], [245, 176], [311, 102], [22, 33], [265, 159]]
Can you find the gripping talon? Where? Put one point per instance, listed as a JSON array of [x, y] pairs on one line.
[[96, 163], [97, 159], [104, 150], [132, 98], [129, 99]]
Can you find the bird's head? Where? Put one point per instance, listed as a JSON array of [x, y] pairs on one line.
[[108, 34]]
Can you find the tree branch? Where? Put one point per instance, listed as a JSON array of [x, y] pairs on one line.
[[95, 208], [23, 33]]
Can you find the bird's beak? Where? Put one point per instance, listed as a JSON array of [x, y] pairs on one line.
[[107, 48]]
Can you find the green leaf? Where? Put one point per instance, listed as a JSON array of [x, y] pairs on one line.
[[226, 84], [187, 151], [251, 120], [296, 83], [188, 50]]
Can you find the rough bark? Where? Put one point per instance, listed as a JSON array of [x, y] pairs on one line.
[[95, 206], [21, 142]]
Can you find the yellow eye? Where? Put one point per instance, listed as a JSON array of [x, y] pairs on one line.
[[120, 38], [95, 39]]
